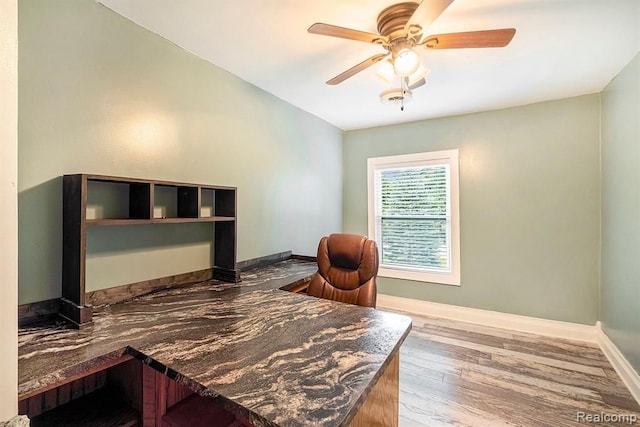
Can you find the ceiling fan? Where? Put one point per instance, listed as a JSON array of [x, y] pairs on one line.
[[401, 30]]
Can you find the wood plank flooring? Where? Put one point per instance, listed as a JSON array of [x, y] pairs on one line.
[[460, 374]]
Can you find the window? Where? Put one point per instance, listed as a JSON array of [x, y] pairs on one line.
[[414, 216]]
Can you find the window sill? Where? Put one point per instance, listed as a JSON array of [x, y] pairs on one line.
[[451, 279]]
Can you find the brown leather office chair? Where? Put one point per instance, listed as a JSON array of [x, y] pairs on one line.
[[347, 269]]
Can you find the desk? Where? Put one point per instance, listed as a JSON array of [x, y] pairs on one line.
[[276, 358]]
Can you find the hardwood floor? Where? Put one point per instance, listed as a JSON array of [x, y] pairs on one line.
[[460, 374]]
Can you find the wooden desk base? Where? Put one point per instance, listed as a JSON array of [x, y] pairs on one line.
[[151, 393], [381, 406]]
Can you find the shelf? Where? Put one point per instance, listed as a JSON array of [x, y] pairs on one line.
[[110, 221], [117, 200], [198, 411], [101, 408], [225, 202], [165, 201], [207, 202], [175, 201]]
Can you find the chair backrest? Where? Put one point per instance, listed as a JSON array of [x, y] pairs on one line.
[[347, 269]]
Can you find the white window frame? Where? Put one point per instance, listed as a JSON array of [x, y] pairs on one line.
[[448, 157]]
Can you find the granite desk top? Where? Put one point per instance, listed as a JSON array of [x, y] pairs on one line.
[[274, 357]]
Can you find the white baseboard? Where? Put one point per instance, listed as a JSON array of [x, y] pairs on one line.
[[552, 328], [628, 375]]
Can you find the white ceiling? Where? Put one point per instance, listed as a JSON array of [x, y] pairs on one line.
[[562, 48]]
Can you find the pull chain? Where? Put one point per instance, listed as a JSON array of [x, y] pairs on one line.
[[402, 92]]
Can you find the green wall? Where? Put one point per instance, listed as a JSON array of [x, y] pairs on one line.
[[529, 205], [620, 289], [99, 94]]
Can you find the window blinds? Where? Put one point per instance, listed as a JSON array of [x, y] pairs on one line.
[[413, 216]]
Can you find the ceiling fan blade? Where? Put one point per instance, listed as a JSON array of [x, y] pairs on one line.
[[356, 69], [417, 84], [346, 33], [470, 39], [425, 14]]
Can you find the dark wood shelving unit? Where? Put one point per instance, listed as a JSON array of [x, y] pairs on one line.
[[99, 200]]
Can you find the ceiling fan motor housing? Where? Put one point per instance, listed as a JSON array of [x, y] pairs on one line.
[[392, 20]]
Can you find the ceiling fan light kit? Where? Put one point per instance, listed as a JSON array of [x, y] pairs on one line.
[[400, 32], [406, 62], [386, 74]]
